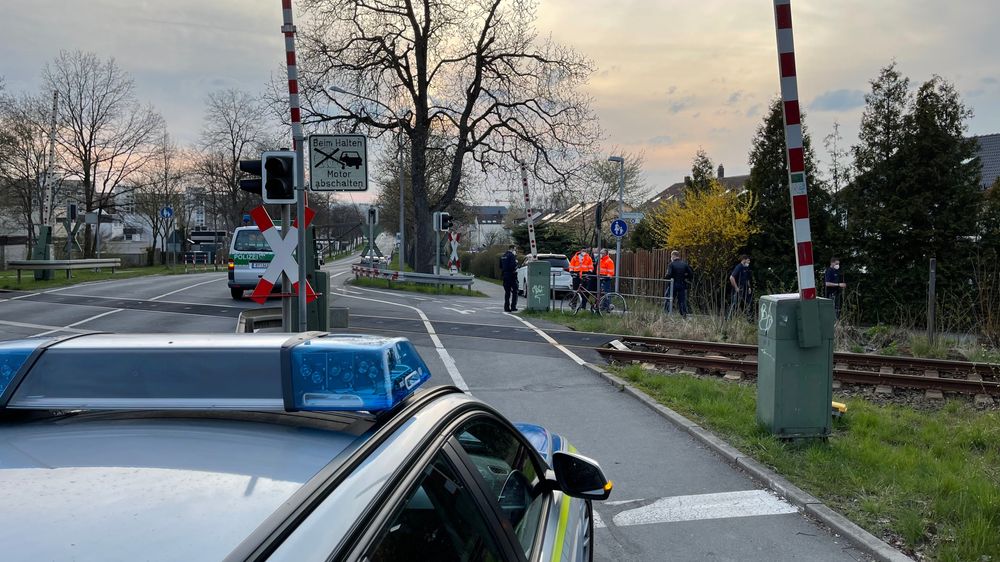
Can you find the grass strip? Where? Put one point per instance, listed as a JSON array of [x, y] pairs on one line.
[[928, 482], [29, 283], [415, 287]]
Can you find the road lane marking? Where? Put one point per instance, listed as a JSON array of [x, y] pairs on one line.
[[84, 321], [42, 327], [459, 310], [576, 358], [446, 358], [725, 505], [158, 297]]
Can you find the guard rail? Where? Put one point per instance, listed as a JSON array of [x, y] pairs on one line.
[[36, 265], [412, 277]]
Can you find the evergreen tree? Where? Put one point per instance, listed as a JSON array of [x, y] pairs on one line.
[[702, 172], [940, 188], [641, 237], [871, 199], [773, 245], [915, 196]]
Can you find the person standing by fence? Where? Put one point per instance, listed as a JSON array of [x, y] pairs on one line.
[[739, 280], [607, 270], [833, 280], [680, 273], [508, 270], [581, 264]]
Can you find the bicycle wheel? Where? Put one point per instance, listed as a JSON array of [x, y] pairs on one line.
[[566, 303], [577, 303], [613, 303]]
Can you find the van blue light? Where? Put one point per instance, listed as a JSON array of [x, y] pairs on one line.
[[13, 354], [350, 373]]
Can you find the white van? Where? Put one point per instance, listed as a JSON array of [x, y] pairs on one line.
[[249, 256]]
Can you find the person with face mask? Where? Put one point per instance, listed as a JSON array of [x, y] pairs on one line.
[[833, 279], [739, 280]]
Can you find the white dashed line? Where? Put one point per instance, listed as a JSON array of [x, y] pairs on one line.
[[158, 297], [84, 321], [576, 358]]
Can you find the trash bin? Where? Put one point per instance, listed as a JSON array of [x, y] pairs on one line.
[[794, 383], [539, 285]]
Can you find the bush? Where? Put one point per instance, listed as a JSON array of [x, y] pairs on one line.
[[487, 262]]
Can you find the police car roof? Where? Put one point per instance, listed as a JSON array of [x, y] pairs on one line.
[[136, 486]]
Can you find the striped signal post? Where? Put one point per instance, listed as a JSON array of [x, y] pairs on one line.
[[527, 211], [797, 174], [288, 30]]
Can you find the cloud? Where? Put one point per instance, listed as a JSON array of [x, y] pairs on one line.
[[735, 97], [753, 110], [661, 139], [989, 80], [838, 100]]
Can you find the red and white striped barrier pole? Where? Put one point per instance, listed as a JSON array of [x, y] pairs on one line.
[[527, 211], [796, 170], [288, 29], [796, 155]]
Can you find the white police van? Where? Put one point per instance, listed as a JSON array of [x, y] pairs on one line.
[[249, 256]]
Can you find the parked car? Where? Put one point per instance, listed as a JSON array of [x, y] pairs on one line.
[[559, 275], [272, 447]]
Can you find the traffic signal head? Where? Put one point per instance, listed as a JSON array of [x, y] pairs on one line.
[[445, 223], [252, 167], [372, 215], [278, 177]]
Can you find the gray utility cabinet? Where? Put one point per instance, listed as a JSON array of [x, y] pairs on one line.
[[794, 383]]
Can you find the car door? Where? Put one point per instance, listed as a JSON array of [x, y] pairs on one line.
[[511, 475]]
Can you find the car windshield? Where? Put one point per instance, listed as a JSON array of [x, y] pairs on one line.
[[558, 261], [250, 241]]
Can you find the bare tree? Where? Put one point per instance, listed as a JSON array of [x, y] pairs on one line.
[[23, 158], [472, 71], [235, 129], [105, 133], [161, 187]]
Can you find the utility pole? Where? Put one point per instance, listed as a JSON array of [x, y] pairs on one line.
[[402, 210], [621, 209]]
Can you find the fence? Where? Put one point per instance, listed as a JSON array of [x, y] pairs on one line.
[[641, 272]]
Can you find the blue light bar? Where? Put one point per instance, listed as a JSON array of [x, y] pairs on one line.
[[349, 373], [13, 355]]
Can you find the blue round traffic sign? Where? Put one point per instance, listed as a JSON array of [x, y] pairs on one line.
[[619, 227], [167, 212]]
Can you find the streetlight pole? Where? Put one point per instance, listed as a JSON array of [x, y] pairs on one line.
[[402, 210], [621, 209]]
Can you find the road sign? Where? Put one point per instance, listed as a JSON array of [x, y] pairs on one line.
[[338, 162], [633, 218], [166, 212], [619, 227], [284, 260]]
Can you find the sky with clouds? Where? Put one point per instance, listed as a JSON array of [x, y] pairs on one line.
[[672, 75]]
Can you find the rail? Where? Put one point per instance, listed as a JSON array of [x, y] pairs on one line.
[[54, 265]]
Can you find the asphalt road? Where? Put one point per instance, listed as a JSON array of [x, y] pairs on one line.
[[673, 499]]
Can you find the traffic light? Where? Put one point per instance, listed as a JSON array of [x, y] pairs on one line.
[[276, 177], [252, 167], [445, 222], [372, 215], [279, 177]]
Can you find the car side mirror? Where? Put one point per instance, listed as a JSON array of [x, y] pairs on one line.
[[580, 477]]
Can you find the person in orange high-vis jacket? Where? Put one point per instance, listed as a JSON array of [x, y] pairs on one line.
[[580, 264], [607, 269]]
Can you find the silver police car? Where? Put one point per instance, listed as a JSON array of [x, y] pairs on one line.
[[272, 446]]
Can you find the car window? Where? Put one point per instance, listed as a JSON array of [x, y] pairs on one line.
[[558, 262], [250, 241], [438, 521], [509, 473]]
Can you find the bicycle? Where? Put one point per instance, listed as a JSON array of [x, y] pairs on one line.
[[609, 303]]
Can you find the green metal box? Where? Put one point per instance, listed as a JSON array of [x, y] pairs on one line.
[[539, 285], [794, 383]]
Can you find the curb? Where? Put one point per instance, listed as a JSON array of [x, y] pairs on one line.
[[860, 538]]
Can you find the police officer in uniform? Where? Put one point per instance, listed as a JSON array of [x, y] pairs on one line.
[[508, 270]]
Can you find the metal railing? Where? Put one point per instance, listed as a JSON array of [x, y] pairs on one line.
[[361, 271], [36, 265]]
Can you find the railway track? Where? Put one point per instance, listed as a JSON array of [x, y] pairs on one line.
[[927, 374]]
